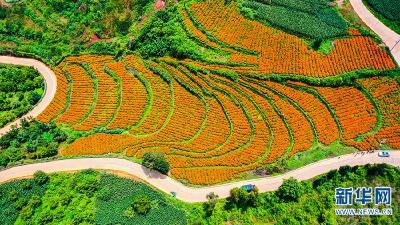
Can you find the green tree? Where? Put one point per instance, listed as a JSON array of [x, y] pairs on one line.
[[243, 198], [290, 190], [40, 177], [156, 161], [209, 206], [141, 204]]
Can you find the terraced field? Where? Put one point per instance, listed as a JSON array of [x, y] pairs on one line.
[[276, 52], [215, 121]]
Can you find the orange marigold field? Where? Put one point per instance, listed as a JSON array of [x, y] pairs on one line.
[[160, 93], [386, 94], [106, 102], [187, 117], [204, 176], [60, 99], [212, 128], [355, 112], [326, 128], [268, 98], [254, 96], [82, 95], [133, 99], [282, 53]]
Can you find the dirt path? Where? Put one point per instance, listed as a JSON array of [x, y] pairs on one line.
[[388, 36], [50, 87], [189, 194]]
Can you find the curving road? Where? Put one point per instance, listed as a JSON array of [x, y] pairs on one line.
[[388, 36], [50, 87], [190, 194], [167, 184]]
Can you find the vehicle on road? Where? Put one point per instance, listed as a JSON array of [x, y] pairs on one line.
[[383, 154], [249, 187]]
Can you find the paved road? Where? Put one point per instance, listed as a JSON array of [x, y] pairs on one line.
[[388, 36], [50, 86], [189, 194], [166, 184]]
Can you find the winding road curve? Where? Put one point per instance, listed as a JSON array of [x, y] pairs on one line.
[[190, 194], [50, 80], [388, 36], [167, 184]]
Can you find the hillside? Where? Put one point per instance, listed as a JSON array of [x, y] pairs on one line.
[[212, 85]]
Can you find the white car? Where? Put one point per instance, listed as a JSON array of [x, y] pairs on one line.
[[383, 154]]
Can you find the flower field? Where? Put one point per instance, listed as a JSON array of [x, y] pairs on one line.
[[274, 97], [213, 127], [82, 94], [60, 99], [282, 53]]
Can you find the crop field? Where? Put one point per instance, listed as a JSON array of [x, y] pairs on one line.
[[387, 11], [301, 18], [274, 51], [274, 98], [388, 8], [213, 128]]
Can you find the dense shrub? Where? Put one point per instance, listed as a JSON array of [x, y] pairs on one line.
[[164, 36], [15, 198], [32, 140], [52, 29], [40, 177], [141, 204], [242, 198], [156, 161], [290, 190], [20, 89]]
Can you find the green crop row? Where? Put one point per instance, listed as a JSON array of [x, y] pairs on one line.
[[390, 9], [311, 19]]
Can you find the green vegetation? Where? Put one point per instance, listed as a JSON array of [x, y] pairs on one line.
[[33, 140], [55, 29], [91, 197], [141, 204], [156, 161], [52, 29], [165, 36], [116, 204], [74, 196], [388, 11], [304, 158], [14, 198], [20, 89], [313, 19], [87, 197], [307, 202]]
